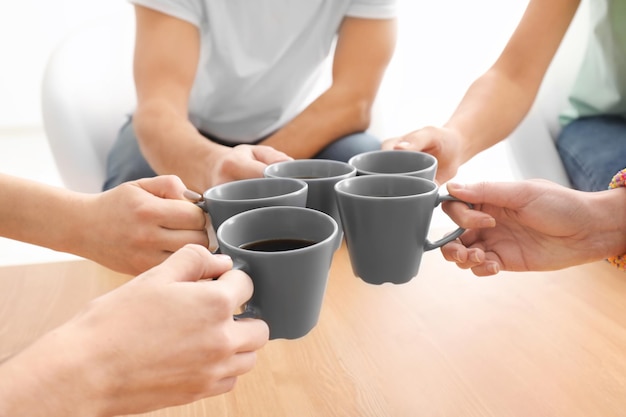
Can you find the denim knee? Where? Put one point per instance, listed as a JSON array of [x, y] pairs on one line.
[[346, 147], [125, 161], [593, 149]]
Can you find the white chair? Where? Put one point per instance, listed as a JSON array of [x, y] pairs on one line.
[[87, 94], [532, 147]]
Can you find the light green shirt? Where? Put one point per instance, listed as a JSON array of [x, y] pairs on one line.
[[600, 87]]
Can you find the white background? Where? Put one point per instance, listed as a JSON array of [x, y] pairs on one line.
[[443, 45]]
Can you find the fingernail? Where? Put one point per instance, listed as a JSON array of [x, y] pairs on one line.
[[493, 268], [475, 257], [192, 195], [223, 257], [402, 144]]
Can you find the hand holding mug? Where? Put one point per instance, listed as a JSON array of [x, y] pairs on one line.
[[135, 225], [444, 143], [240, 162], [533, 225], [165, 338]]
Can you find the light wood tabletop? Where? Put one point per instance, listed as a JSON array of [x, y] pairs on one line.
[[445, 344]]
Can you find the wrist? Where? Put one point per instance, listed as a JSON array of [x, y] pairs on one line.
[[58, 371], [78, 219], [459, 141], [617, 256], [194, 159], [608, 227]]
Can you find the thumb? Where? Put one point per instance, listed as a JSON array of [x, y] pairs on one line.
[[390, 144], [164, 186], [499, 194], [190, 263], [260, 157], [419, 140], [269, 155]]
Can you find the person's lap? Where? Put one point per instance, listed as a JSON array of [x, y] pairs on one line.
[[346, 147], [126, 162], [593, 149]]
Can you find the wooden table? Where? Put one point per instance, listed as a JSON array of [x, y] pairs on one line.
[[445, 344]]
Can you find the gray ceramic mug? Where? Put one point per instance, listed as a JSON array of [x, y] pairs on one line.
[[398, 162], [287, 251], [225, 200], [321, 175], [386, 220]]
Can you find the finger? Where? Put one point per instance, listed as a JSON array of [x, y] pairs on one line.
[[389, 144], [269, 155], [181, 215], [466, 217], [486, 269], [499, 194], [236, 285], [172, 240], [245, 358], [249, 169], [254, 334], [465, 258], [419, 140], [237, 365], [164, 186], [172, 210], [454, 252], [403, 145], [243, 163], [473, 258], [244, 362], [190, 263], [222, 386]]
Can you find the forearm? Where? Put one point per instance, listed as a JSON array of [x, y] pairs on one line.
[[491, 109], [363, 51], [49, 378], [172, 145], [498, 101], [336, 113], [41, 214]]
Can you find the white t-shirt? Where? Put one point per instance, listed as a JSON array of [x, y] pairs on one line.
[[260, 60]]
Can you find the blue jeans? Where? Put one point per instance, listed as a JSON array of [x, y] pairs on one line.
[[125, 161], [593, 150]]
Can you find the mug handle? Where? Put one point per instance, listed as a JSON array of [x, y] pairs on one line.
[[249, 311], [428, 245], [198, 200]]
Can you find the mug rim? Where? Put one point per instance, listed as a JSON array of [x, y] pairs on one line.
[[355, 159], [331, 236], [208, 194], [350, 169], [339, 187]]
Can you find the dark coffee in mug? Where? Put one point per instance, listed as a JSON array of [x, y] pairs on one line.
[[277, 245]]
